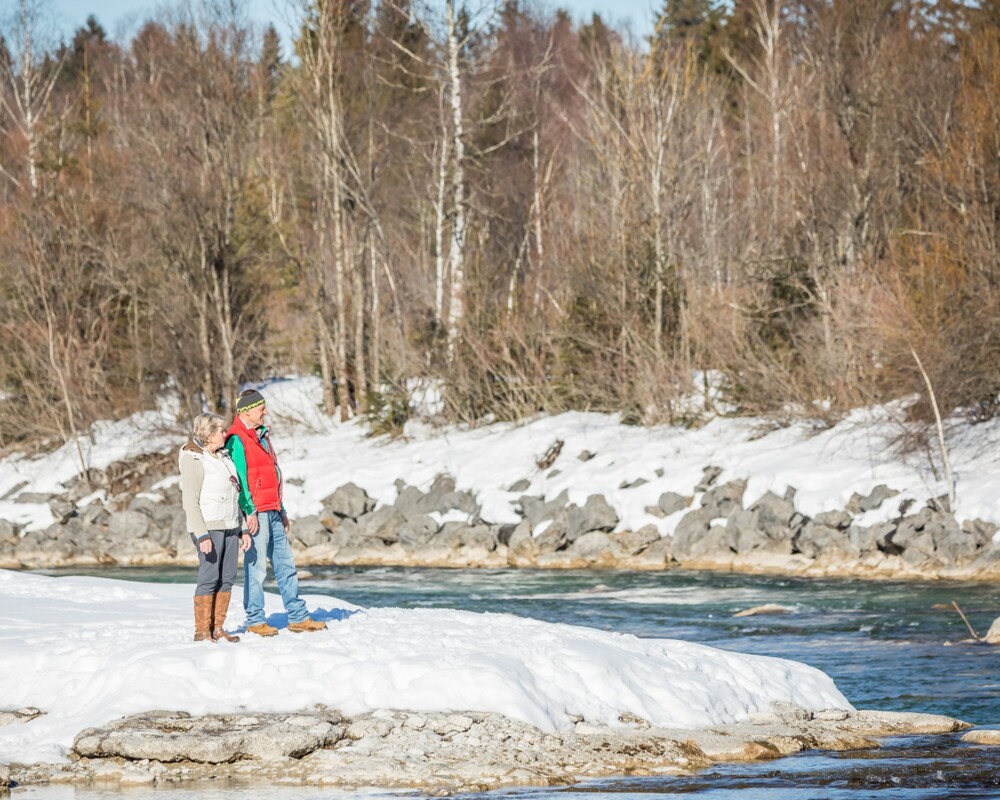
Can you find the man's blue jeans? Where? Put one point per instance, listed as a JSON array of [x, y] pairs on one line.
[[271, 542]]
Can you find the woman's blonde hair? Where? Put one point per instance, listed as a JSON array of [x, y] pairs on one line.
[[205, 425]]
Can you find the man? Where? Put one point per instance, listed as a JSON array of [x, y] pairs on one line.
[[249, 444]]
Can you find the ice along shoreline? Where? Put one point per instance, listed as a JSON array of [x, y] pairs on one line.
[[442, 753]]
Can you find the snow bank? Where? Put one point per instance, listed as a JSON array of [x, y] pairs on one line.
[[318, 455], [89, 650]]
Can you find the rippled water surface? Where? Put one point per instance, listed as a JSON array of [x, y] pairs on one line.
[[891, 646]]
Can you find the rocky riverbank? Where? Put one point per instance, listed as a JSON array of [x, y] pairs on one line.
[[712, 526], [441, 752]]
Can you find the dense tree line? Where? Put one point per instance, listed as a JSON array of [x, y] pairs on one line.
[[797, 196]]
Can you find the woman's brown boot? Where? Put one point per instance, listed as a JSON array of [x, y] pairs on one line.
[[221, 607], [203, 618]]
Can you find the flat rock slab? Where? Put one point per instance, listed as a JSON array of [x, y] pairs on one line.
[[983, 737], [767, 608], [444, 752]]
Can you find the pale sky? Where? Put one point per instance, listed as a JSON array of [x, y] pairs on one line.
[[120, 17]]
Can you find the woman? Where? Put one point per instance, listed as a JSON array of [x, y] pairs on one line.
[[210, 495]]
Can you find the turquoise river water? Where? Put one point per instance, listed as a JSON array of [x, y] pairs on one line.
[[888, 645]]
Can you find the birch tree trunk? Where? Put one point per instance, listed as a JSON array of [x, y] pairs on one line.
[[456, 252]]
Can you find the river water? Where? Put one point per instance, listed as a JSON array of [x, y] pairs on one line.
[[888, 645]]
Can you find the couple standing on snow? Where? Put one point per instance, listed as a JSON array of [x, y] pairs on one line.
[[228, 476]]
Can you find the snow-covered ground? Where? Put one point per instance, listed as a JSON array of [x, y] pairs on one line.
[[318, 455], [89, 650]]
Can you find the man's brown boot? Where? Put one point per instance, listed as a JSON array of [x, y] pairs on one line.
[[307, 625], [203, 618], [262, 629], [221, 607]]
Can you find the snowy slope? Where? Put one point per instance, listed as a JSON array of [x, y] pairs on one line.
[[89, 650], [319, 454]]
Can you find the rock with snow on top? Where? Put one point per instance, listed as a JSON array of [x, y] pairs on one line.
[[553, 536], [859, 504]]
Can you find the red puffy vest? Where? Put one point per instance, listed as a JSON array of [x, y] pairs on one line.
[[262, 468]]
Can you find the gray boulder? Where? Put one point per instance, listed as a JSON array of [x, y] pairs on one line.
[[711, 545], [408, 501], [382, 523], [62, 508], [349, 501], [553, 538], [859, 504], [631, 543], [586, 455], [417, 531], [708, 478], [443, 483], [455, 535], [347, 534], [693, 538], [503, 533], [439, 502], [129, 524], [95, 514], [521, 546], [537, 509], [593, 545], [864, 539], [774, 513], [310, 531], [746, 534], [955, 547], [982, 531], [840, 520], [520, 486], [216, 739], [48, 547], [595, 515], [725, 499], [816, 538], [4, 776], [882, 533], [8, 530], [657, 555], [34, 497], [671, 502], [160, 513]]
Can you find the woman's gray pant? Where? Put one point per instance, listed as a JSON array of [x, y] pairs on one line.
[[217, 570]]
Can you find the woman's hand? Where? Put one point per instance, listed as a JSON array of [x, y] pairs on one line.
[[205, 545], [245, 542]]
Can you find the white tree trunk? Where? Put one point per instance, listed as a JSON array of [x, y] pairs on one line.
[[456, 251]]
